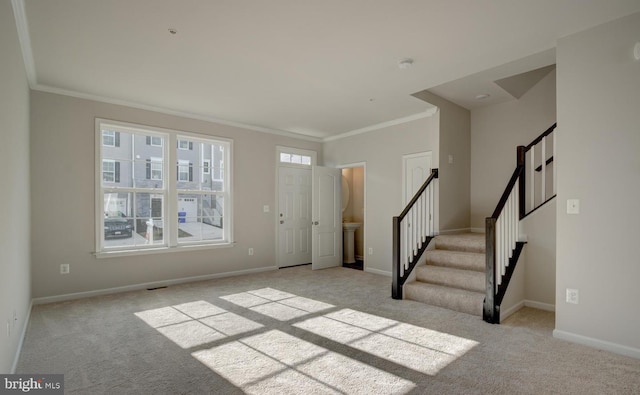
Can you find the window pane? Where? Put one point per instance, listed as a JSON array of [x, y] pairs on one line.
[[149, 217], [284, 157], [296, 159], [306, 160], [199, 217], [119, 221], [108, 138]]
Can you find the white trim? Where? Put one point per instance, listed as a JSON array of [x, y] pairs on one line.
[[280, 149], [24, 38], [597, 343], [177, 113], [540, 305], [141, 286], [202, 245], [393, 122], [506, 313], [478, 230], [377, 271], [21, 341]]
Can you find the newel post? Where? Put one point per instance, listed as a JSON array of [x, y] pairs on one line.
[[490, 313], [520, 160], [396, 285]]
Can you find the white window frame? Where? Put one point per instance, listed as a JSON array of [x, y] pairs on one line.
[[169, 191], [113, 162], [182, 165], [295, 151], [156, 166], [185, 148], [154, 140], [109, 134]]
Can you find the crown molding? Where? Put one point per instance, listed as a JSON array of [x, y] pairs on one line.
[[398, 121], [25, 40], [163, 110]]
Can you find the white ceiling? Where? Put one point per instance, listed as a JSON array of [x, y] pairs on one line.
[[312, 67]]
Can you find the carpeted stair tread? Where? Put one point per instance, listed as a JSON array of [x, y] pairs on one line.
[[457, 259], [462, 279], [469, 242], [450, 298]]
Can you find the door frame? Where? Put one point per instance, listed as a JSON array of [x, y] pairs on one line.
[[364, 217], [274, 210]]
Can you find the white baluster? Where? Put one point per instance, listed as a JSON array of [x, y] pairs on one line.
[[543, 171], [555, 162], [532, 174]]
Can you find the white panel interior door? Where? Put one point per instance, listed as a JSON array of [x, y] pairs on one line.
[[294, 216], [327, 218], [416, 168]]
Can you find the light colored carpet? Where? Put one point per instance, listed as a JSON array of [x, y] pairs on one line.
[[298, 331]]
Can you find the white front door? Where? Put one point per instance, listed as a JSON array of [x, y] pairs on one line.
[[294, 216], [327, 218]]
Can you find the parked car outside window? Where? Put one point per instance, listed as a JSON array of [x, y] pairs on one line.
[[116, 225]]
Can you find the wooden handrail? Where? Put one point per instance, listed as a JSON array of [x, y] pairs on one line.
[[434, 174], [507, 191], [399, 276], [543, 135]]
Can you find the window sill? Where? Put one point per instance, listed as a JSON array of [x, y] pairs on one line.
[[161, 250]]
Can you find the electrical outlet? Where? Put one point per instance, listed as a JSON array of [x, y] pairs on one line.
[[370, 250], [572, 296], [64, 268], [250, 251], [8, 328], [266, 208], [573, 206]]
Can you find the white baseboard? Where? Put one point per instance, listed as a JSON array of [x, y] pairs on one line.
[[540, 305], [504, 314], [154, 284], [378, 271], [596, 343], [21, 341], [478, 230], [526, 303]]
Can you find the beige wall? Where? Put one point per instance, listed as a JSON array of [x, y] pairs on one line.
[[599, 163], [496, 132], [15, 285], [62, 154], [382, 151], [454, 178]]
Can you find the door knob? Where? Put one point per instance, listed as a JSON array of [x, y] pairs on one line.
[[281, 222], [316, 223]]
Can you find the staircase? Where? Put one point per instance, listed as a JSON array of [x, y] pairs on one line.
[[454, 274]]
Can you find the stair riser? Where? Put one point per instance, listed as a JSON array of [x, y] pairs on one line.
[[472, 281], [474, 262], [465, 304]]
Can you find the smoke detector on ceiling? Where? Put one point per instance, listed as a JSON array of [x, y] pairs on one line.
[[482, 96], [405, 63]]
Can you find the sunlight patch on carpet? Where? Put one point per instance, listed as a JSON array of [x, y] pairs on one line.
[[282, 306], [196, 323], [414, 347], [275, 362]]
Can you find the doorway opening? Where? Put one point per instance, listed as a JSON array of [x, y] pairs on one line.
[[353, 215]]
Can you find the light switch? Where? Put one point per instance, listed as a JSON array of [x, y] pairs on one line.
[[265, 208], [573, 206], [450, 159]]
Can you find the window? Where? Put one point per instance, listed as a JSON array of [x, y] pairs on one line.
[[139, 209], [154, 169], [286, 157], [185, 170], [110, 138], [154, 140], [295, 157], [109, 170]]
